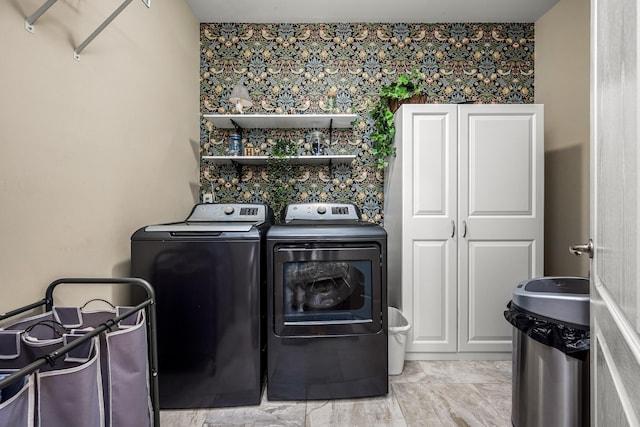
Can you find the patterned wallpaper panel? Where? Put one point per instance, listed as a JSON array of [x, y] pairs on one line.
[[291, 68]]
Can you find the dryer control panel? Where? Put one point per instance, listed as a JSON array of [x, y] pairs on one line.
[[321, 211]]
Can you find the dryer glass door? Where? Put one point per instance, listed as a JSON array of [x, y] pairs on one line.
[[322, 289]]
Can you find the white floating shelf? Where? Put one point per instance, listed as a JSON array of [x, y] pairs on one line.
[[296, 160], [282, 121]]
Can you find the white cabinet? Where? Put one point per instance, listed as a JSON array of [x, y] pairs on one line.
[[464, 214]]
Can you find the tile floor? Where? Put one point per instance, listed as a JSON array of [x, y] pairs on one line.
[[428, 393]]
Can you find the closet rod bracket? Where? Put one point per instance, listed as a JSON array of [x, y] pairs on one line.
[[28, 23], [80, 48]]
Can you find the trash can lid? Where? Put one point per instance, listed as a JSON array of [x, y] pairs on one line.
[[565, 299]]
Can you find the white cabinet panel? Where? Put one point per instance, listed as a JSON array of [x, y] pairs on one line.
[[492, 270], [429, 165], [434, 298], [501, 160], [500, 165]]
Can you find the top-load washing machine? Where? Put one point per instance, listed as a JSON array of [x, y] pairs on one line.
[[210, 284], [327, 304]]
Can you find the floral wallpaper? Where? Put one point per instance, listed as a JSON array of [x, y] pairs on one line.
[[291, 68]]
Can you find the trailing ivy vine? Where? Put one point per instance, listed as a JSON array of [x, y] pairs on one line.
[[391, 96]]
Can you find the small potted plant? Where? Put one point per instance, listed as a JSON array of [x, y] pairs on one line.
[[405, 89], [281, 175]]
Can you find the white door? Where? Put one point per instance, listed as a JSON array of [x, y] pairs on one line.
[[615, 210], [501, 197], [429, 144]]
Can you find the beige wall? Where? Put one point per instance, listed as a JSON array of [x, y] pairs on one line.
[[91, 150], [562, 85]]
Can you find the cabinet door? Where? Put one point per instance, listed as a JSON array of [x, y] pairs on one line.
[[429, 138], [501, 157]]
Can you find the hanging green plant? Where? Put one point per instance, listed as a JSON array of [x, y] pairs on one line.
[[392, 96], [281, 175]]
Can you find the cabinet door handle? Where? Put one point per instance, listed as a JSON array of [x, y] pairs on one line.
[[453, 228], [464, 228]]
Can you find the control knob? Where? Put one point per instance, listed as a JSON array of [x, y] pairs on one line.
[[228, 210], [321, 209]]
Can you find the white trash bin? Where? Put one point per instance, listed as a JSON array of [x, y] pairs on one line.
[[398, 328]]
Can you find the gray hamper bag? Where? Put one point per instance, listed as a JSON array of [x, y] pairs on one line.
[[18, 409], [124, 362], [66, 393], [17, 401]]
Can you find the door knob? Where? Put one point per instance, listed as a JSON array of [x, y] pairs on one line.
[[582, 249]]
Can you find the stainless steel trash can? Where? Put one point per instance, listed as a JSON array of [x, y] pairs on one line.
[[551, 359]]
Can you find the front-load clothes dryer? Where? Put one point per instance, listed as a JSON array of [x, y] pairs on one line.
[[327, 304], [209, 279]]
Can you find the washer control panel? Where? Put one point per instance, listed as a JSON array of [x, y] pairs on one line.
[[240, 212], [321, 211]]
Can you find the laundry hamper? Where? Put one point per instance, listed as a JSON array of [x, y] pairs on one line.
[[124, 349]]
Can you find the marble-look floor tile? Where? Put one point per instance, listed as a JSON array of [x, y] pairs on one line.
[[266, 415], [182, 418], [466, 371], [370, 412], [499, 397], [442, 405], [411, 373]]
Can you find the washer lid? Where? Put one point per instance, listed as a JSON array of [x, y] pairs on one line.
[[218, 218], [201, 227], [565, 299]]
